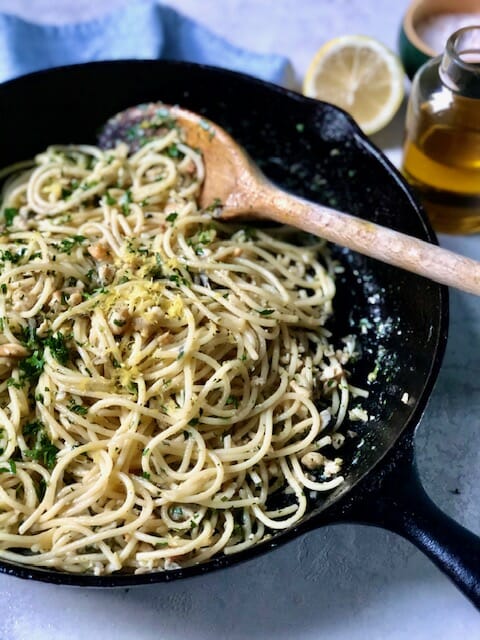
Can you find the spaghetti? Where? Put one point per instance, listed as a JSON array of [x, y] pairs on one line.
[[163, 376]]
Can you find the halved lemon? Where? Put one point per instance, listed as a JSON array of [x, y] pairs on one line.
[[358, 74]]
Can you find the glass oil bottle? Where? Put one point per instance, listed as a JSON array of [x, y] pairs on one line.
[[441, 155]]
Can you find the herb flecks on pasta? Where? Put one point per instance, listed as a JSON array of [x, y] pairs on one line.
[[163, 376]]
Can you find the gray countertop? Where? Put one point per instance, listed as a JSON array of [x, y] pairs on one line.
[[341, 581]]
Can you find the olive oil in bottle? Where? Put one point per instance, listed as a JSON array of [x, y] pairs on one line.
[[441, 156]]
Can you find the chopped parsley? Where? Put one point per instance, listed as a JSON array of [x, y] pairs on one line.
[[16, 384], [9, 213], [266, 312], [78, 408], [178, 279], [216, 204], [207, 236], [125, 201], [32, 365], [132, 387], [109, 199], [156, 272], [173, 151], [171, 217], [41, 448], [12, 467], [9, 256], [231, 400], [132, 248], [45, 453], [66, 193], [89, 185], [32, 428], [67, 244], [58, 348]]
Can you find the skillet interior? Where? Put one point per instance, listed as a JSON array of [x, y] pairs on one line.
[[310, 148]]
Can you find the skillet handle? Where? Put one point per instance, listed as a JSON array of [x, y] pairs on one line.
[[400, 503]]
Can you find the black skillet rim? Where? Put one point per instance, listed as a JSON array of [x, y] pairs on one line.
[[332, 513]]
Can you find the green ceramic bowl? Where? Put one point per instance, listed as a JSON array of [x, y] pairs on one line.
[[414, 52]]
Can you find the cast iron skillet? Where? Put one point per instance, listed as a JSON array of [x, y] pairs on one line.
[[318, 152]]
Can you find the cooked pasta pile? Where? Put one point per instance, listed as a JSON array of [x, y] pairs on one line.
[[164, 377]]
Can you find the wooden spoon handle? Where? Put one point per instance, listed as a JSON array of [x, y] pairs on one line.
[[370, 239]]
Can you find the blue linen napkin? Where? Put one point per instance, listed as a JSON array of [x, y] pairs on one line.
[[142, 29]]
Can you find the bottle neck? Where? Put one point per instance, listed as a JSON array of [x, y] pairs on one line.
[[460, 65]]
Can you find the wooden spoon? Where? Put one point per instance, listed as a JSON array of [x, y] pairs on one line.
[[232, 180]]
